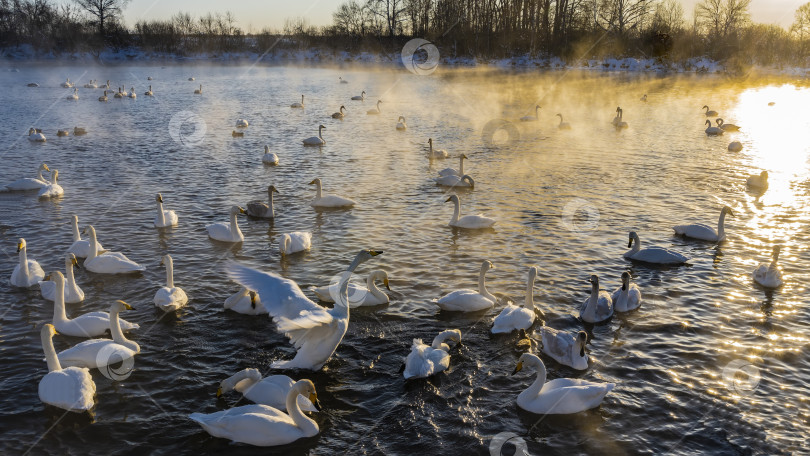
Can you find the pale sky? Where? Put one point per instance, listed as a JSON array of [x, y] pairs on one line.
[[257, 14]]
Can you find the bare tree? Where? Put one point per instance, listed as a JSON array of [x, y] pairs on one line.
[[104, 11], [668, 17], [620, 16], [722, 18], [801, 26], [391, 11]]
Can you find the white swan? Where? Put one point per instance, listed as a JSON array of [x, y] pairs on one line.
[[469, 300], [328, 201], [52, 189], [271, 390], [170, 297], [713, 131], [91, 85], [360, 97], [470, 222], [242, 123], [227, 232], [705, 232], [376, 110], [246, 302], [436, 153], [36, 136], [621, 123], [91, 324], [27, 273], [465, 181], [726, 126], [71, 388], [67, 84], [315, 331], [616, 119], [102, 353], [654, 254], [30, 183], [108, 262], [164, 218], [599, 306], [262, 425], [192, 78], [644, 98], [769, 275], [426, 360], [81, 247], [149, 92], [74, 95], [401, 125], [104, 97], [561, 395], [119, 94], [294, 242], [565, 348], [359, 296], [735, 146], [132, 93], [298, 105], [198, 91], [260, 209], [71, 293], [627, 297], [760, 181], [514, 318], [342, 81], [316, 140], [269, 158], [563, 125], [339, 114], [709, 113], [533, 118], [453, 171]]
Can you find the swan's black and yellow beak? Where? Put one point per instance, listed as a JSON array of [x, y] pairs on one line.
[[630, 243], [47, 278], [313, 397], [19, 247], [517, 368], [219, 391], [253, 299], [313, 182], [126, 306], [448, 200], [74, 261], [385, 282], [241, 211], [375, 252]]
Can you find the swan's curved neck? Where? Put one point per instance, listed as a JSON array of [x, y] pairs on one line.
[[24, 264], [251, 375], [721, 230], [438, 341], [50, 352], [318, 189], [320, 133], [93, 246], [636, 244], [169, 273], [590, 305], [39, 174], [461, 166], [482, 286], [272, 208], [530, 292], [70, 279], [161, 215], [117, 334], [308, 426], [285, 243], [372, 287], [456, 211], [59, 302], [76, 235], [235, 232], [534, 390]]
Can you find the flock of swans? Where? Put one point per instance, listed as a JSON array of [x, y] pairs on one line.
[[277, 415]]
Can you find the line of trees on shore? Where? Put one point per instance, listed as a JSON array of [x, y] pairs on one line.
[[571, 29]]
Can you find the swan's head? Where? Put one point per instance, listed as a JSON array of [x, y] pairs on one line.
[[582, 340], [316, 181], [763, 175], [307, 389], [159, 198], [266, 149], [232, 382], [30, 131], [321, 127], [363, 93], [453, 198], [451, 334], [776, 250], [467, 178], [74, 219], [463, 157], [56, 277], [708, 122], [20, 245], [236, 210], [48, 330], [252, 295], [727, 210], [719, 121], [533, 272], [705, 107], [367, 254], [71, 259], [633, 236], [271, 189], [401, 119], [527, 359], [430, 141], [487, 265], [559, 115], [89, 230], [44, 167], [342, 108], [594, 281], [283, 242], [166, 260], [625, 280], [120, 306]]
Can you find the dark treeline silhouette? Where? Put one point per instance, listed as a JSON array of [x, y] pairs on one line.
[[571, 29]]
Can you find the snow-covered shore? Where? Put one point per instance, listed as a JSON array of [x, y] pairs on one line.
[[317, 56]]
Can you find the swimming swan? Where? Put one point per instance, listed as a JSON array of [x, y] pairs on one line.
[[328, 201], [401, 125], [469, 300], [769, 275], [69, 388], [164, 218], [170, 297], [269, 158], [705, 232], [359, 296], [242, 123], [227, 232], [708, 112], [149, 92], [465, 181], [565, 348], [559, 396], [726, 126], [599, 306], [298, 105], [563, 125], [294, 242], [36, 136], [653, 255], [262, 425], [103, 353], [81, 247], [316, 140], [760, 181], [514, 318], [27, 273], [713, 131], [74, 95], [260, 209], [31, 183], [470, 222], [426, 360], [245, 302], [436, 153], [108, 262], [532, 118], [71, 293], [339, 114], [453, 171], [376, 110], [271, 390], [360, 97], [315, 331], [52, 189], [198, 91], [627, 297]]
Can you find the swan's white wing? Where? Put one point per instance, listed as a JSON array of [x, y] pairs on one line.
[[71, 388], [282, 298]]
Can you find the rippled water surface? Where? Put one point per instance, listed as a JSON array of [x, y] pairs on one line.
[[675, 392]]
